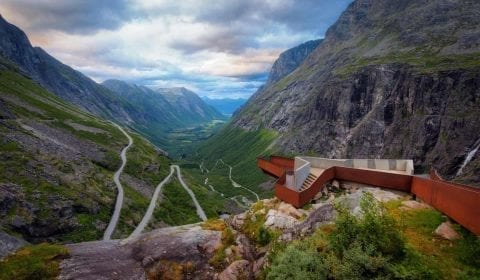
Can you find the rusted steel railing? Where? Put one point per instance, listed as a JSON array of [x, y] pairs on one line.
[[460, 202]]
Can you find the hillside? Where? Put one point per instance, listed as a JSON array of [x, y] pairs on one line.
[[189, 106], [390, 79], [57, 164]]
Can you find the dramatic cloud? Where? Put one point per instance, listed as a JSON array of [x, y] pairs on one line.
[[217, 48], [75, 16]]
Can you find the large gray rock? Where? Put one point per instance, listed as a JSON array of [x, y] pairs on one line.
[[278, 220], [236, 271], [9, 244], [187, 247]]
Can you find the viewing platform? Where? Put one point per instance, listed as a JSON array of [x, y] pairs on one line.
[[301, 178]]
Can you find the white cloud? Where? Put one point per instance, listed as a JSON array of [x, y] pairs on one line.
[[219, 48]]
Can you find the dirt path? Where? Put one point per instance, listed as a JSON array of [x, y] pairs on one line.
[[116, 178]]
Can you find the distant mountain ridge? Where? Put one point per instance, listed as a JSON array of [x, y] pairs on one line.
[[171, 107], [226, 106], [189, 105], [140, 108]]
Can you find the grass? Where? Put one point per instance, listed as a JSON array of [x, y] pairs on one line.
[[240, 149], [176, 207], [33, 262], [455, 259], [423, 60], [90, 192]]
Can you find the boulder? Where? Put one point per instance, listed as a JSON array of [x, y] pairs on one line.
[[236, 270], [318, 196], [258, 267], [289, 210], [446, 231], [238, 221], [278, 220], [412, 204], [245, 248], [336, 185], [9, 244]]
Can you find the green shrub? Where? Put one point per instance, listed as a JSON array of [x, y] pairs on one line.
[[365, 247], [264, 236]]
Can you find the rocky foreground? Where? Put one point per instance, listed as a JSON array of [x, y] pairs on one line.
[[230, 249]]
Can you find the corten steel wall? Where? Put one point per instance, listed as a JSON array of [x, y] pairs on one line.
[[375, 178], [308, 194], [461, 203], [284, 193], [282, 161], [270, 168]]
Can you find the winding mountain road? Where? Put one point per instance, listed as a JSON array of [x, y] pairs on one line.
[[200, 212], [153, 202], [235, 184], [116, 178]]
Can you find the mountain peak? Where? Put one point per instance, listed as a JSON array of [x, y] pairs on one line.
[[290, 59]]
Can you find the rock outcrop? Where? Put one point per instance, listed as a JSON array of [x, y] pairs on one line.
[[169, 253], [446, 231], [290, 59]]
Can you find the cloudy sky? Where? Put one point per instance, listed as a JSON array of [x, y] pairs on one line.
[[216, 48]]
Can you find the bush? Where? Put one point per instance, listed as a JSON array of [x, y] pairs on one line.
[[365, 247], [264, 236]]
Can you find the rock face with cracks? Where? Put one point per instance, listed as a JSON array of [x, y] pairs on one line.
[[174, 252]]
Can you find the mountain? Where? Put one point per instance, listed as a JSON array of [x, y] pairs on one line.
[[56, 167], [226, 106], [391, 79], [290, 59], [189, 106], [59, 78]]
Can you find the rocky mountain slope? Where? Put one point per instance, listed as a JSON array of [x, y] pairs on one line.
[[391, 79], [57, 164], [290, 59]]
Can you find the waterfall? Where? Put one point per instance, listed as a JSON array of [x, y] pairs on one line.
[[469, 157]]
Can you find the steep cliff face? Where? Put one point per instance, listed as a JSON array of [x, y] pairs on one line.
[[290, 59], [390, 79]]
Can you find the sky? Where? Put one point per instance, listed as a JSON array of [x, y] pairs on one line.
[[219, 49]]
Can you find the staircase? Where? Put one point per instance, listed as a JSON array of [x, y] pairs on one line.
[[308, 182]]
